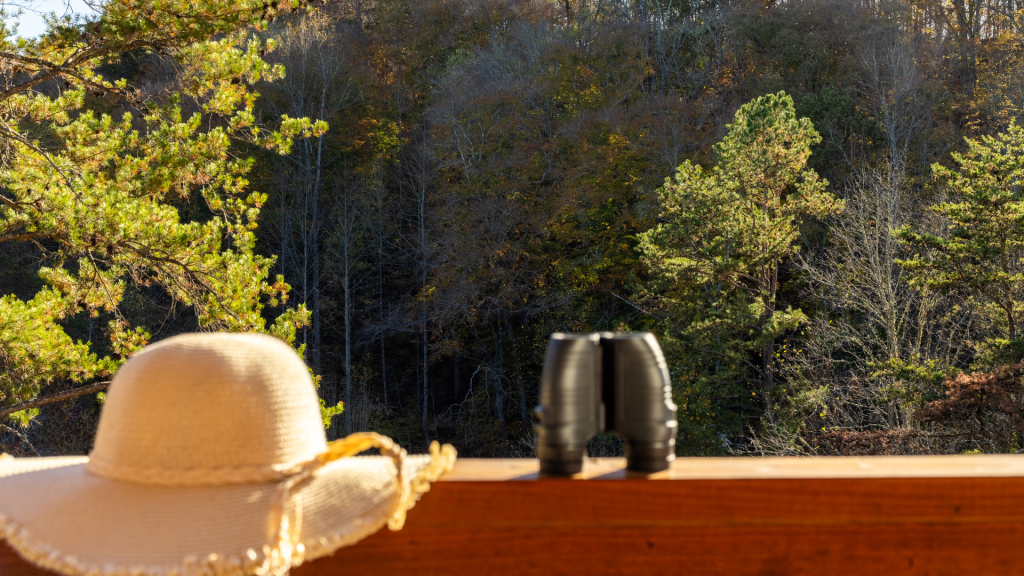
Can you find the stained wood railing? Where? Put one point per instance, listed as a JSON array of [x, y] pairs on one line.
[[961, 515]]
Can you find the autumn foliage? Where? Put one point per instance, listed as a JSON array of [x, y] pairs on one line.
[[417, 193]]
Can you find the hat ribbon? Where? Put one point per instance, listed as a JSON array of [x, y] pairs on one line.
[[284, 547]]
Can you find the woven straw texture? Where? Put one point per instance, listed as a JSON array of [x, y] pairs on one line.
[[236, 405], [209, 459]]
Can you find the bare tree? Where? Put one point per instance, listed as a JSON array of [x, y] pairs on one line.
[[318, 85], [892, 85], [381, 232], [969, 17], [419, 168], [346, 247], [688, 44], [870, 315]]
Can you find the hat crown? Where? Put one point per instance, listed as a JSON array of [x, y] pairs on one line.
[[207, 409]]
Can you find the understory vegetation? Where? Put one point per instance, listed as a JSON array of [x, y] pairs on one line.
[[815, 205]]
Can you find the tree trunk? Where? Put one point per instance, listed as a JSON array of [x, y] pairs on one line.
[[384, 375], [314, 352], [426, 388], [499, 399], [424, 278], [455, 376], [768, 347], [379, 190], [314, 345], [346, 288], [517, 366]]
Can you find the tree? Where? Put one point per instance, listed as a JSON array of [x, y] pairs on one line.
[[874, 349], [717, 254], [892, 88], [110, 203], [318, 85], [322, 84], [981, 253]]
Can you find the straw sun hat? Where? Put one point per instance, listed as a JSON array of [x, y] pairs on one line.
[[210, 459]]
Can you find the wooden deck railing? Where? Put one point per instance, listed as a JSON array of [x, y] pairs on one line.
[[957, 515]]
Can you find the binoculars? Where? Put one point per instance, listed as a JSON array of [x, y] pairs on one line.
[[605, 382]]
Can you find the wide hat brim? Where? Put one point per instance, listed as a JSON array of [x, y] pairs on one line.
[[60, 517]]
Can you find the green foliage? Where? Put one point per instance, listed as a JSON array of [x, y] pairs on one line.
[[715, 262], [912, 381], [844, 127], [106, 200], [24, 417], [992, 353], [928, 372], [329, 412], [492, 168], [979, 254]]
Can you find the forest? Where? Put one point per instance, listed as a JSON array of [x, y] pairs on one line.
[[814, 205]]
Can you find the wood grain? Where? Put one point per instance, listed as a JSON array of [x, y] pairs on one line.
[[758, 517]]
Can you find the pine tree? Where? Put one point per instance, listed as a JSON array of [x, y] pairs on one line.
[[101, 198], [980, 255], [716, 259]]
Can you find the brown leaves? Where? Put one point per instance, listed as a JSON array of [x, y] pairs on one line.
[[973, 396], [891, 442], [988, 406]]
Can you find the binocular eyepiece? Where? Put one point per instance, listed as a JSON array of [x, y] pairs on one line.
[[605, 382]]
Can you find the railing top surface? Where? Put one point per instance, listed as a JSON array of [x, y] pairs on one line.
[[723, 516], [734, 468]]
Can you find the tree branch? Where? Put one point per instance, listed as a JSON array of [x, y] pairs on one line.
[[56, 70], [65, 395], [13, 134], [53, 69], [21, 236], [639, 309], [22, 437]]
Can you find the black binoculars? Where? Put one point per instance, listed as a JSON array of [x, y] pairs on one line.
[[605, 382]]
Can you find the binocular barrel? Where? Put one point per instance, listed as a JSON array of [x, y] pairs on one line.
[[605, 382], [570, 402]]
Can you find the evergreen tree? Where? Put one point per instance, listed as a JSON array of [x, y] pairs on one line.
[[981, 253], [109, 202], [716, 260]]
